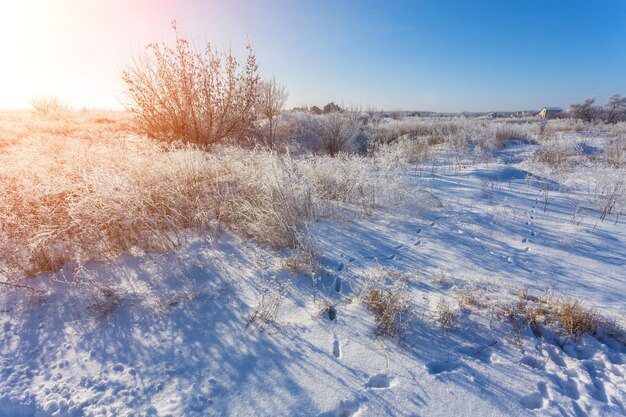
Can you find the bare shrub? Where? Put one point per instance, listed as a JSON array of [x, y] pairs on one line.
[[272, 99], [179, 93], [303, 259], [447, 318], [586, 110], [470, 298], [615, 108], [270, 301], [338, 130], [615, 152], [613, 111], [386, 296], [611, 199], [442, 279], [48, 106]]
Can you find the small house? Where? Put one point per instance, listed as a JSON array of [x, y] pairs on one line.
[[549, 112]]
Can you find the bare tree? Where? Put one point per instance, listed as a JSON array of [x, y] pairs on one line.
[[180, 93], [373, 114], [586, 110], [615, 107], [272, 99], [48, 106]]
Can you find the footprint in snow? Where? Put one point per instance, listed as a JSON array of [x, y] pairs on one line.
[[570, 388], [544, 390], [481, 353], [345, 409], [597, 390], [532, 401], [533, 233], [337, 284], [533, 362], [332, 313], [336, 348], [340, 267], [398, 247], [437, 367], [418, 231], [380, 381], [525, 240]]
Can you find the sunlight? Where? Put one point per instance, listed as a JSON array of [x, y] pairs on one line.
[[29, 32]]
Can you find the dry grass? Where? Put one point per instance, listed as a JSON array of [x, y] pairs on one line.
[[100, 191], [570, 316], [615, 153], [508, 133], [556, 153], [447, 318], [386, 296]]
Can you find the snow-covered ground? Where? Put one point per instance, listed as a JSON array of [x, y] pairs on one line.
[[167, 334]]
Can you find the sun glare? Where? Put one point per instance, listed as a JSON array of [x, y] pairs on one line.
[[29, 46]]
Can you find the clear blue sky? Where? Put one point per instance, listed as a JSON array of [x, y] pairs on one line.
[[415, 55]]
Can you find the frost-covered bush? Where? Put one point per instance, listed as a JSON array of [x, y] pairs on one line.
[[338, 131], [50, 106], [556, 153], [508, 132], [76, 199], [201, 97], [615, 152], [405, 149], [355, 180], [262, 195]]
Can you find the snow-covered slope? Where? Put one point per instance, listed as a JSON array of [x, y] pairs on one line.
[[169, 335]]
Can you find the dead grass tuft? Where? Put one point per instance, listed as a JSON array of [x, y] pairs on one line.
[[447, 318], [386, 297]]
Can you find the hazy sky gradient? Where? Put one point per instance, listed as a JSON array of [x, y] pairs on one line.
[[414, 55]]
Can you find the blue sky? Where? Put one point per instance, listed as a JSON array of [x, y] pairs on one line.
[[415, 55]]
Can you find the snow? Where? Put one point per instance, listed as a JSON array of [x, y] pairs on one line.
[[166, 334]]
